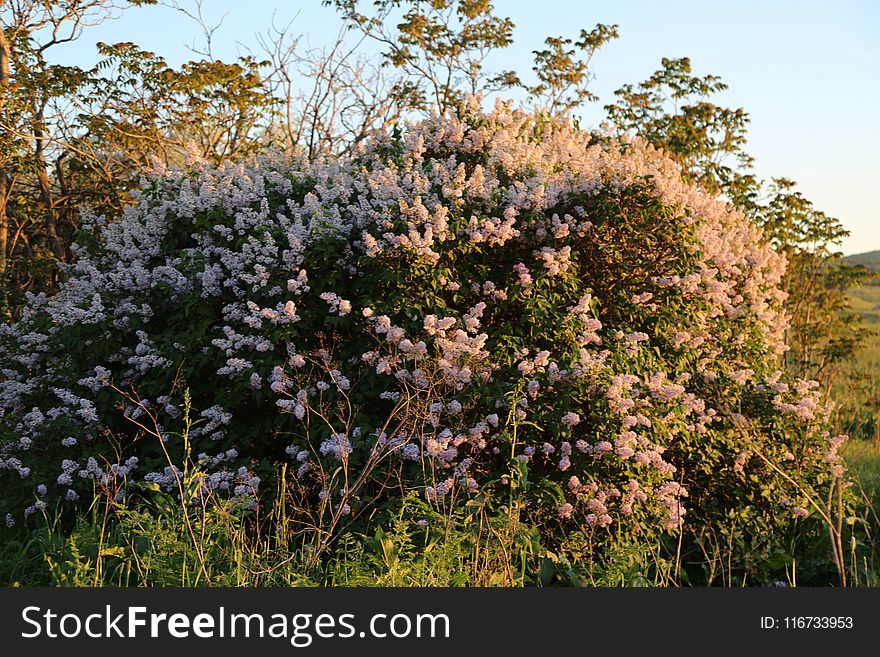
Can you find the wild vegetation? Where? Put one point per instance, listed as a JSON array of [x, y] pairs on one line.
[[325, 319]]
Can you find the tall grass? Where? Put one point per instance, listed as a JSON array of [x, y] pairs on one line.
[[148, 547], [863, 459], [857, 391]]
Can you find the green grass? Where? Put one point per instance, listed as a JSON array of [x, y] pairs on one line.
[[863, 459], [865, 301], [857, 390], [118, 545], [859, 396]]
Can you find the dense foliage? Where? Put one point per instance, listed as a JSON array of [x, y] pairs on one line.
[[492, 310]]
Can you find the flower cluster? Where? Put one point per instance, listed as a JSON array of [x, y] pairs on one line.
[[485, 292]]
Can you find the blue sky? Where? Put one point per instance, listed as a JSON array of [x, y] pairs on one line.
[[807, 72]]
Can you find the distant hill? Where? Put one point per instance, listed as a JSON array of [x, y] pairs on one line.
[[865, 300], [870, 260]]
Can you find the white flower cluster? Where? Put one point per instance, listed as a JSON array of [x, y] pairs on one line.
[[279, 288]]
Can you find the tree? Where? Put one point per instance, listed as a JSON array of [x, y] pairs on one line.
[[439, 46], [564, 73], [674, 110], [78, 138], [822, 337], [331, 98], [32, 212]]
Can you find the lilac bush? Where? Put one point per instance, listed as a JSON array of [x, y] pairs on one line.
[[481, 302]]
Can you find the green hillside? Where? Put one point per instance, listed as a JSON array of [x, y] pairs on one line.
[[865, 301], [869, 260]]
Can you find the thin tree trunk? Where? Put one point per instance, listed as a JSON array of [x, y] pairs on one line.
[[55, 242], [4, 222], [4, 179]]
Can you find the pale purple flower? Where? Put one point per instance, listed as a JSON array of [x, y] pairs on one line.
[[570, 419]]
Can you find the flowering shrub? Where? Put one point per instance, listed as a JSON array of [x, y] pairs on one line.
[[486, 306]]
